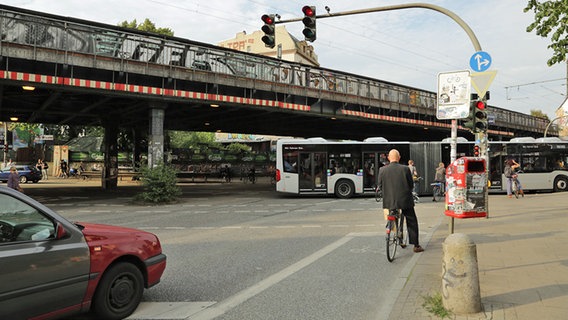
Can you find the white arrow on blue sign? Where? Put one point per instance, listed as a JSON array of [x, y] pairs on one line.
[[480, 61]]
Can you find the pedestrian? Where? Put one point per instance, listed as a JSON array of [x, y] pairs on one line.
[[63, 168], [415, 176], [44, 168], [395, 181], [440, 176], [39, 165], [14, 179]]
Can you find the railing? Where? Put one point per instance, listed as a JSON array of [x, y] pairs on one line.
[[71, 36]]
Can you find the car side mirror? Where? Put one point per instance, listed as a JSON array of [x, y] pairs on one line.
[[60, 231]]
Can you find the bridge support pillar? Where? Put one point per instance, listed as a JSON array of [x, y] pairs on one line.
[[156, 138], [110, 171]]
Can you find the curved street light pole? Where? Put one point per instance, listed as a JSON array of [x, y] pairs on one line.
[[445, 11], [548, 126]]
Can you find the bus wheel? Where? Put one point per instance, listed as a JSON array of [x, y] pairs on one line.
[[344, 189], [561, 184]]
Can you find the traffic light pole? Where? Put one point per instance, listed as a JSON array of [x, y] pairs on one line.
[[447, 12], [459, 21]]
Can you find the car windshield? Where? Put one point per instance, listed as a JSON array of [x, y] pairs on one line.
[[21, 222]]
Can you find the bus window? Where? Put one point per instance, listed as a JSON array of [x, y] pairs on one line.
[[290, 161]]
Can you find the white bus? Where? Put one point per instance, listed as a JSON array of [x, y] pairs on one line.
[[347, 168]]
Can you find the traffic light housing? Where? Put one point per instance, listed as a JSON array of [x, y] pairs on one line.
[[269, 30], [309, 23], [477, 119], [476, 152], [470, 121], [480, 116]]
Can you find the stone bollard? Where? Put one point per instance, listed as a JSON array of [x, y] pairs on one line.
[[460, 276]]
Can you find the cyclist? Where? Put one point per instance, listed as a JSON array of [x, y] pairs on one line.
[[440, 177], [509, 172], [252, 174], [395, 181]]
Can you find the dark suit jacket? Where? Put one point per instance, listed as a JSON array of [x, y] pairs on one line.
[[395, 180]]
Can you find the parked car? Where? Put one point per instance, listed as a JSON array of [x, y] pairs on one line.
[[52, 267], [26, 172]]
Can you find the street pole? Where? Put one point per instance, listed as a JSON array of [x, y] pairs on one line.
[[445, 11], [548, 125], [5, 143]]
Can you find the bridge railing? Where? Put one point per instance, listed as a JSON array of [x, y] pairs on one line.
[[69, 37]]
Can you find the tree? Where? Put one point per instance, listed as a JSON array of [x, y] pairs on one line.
[[147, 26], [551, 17], [539, 114]]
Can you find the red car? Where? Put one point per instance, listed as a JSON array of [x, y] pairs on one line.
[[53, 268]]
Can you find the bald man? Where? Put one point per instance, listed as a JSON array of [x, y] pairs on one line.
[[395, 180]]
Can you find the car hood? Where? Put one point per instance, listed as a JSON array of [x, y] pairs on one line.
[[102, 236]]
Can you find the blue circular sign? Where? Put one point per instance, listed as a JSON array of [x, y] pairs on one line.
[[480, 61]]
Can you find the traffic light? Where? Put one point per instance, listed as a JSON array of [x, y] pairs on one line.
[[5, 148], [476, 150], [477, 119], [269, 30], [480, 116], [309, 23], [470, 121]]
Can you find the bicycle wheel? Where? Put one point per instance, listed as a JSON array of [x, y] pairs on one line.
[[438, 193], [391, 239], [516, 188], [378, 195], [402, 232]]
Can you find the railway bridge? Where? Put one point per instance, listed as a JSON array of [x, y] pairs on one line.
[[87, 73]]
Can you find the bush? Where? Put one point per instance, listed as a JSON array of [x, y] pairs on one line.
[[159, 185]]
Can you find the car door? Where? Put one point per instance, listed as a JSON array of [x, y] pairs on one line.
[[44, 259]]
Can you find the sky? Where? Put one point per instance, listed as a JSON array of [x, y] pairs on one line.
[[408, 46]]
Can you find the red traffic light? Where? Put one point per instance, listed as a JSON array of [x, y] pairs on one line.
[[476, 151], [308, 11], [480, 105], [268, 19]]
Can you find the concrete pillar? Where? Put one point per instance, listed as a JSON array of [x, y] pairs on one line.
[[460, 275], [110, 171], [156, 137]]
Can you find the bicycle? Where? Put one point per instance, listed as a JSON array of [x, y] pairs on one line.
[[415, 196], [516, 186], [251, 177], [437, 190], [378, 194], [395, 233]]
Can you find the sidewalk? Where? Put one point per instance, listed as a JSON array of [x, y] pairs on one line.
[[522, 260]]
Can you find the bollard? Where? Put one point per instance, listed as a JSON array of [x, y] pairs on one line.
[[460, 276]]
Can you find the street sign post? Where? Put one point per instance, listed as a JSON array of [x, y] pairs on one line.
[[454, 91]]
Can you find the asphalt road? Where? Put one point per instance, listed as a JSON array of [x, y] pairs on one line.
[[239, 251]]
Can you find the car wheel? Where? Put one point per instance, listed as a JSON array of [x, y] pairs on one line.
[[344, 189], [23, 179], [561, 184], [119, 292]]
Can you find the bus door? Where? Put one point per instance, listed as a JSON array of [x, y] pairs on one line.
[[313, 171], [370, 170]]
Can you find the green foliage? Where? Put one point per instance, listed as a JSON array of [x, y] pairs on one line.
[[147, 26], [236, 148], [159, 185], [551, 17], [539, 113], [435, 306], [192, 140]]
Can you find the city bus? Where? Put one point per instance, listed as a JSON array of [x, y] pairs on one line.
[[348, 168]]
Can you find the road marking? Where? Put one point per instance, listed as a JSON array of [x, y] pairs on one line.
[[222, 307], [168, 310]]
